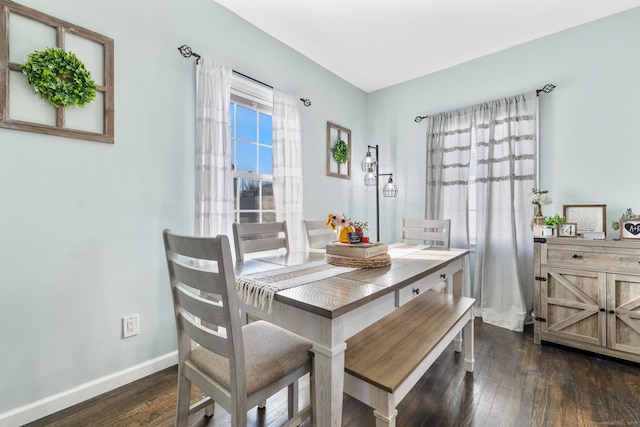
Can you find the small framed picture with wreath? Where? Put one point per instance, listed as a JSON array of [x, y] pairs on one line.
[[338, 151], [630, 229]]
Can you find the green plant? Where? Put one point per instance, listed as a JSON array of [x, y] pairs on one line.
[[341, 151], [59, 77], [628, 214], [554, 220], [361, 224]]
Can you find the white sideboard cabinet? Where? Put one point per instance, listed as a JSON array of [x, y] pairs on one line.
[[587, 295]]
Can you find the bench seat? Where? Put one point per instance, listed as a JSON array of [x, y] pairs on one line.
[[384, 361]]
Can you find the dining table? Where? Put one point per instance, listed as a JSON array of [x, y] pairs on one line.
[[329, 310]]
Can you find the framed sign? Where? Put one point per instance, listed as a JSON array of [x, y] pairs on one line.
[[630, 229], [586, 217], [567, 229]]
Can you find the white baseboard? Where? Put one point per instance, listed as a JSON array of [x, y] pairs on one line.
[[43, 407]]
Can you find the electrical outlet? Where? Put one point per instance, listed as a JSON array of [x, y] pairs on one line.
[[130, 325]]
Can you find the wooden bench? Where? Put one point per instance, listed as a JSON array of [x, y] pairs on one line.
[[384, 361]]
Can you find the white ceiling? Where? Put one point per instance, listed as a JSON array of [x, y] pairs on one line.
[[374, 44]]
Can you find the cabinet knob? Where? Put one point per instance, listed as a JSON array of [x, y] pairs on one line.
[[612, 312], [443, 276], [576, 256], [602, 309], [416, 291]]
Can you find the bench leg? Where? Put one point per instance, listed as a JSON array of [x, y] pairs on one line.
[[468, 345]]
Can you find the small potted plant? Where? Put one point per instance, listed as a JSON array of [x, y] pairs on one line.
[[628, 214], [360, 226], [550, 226]]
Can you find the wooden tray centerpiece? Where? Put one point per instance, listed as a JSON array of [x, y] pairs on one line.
[[360, 255]]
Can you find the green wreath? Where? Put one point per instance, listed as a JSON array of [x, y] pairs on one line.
[[59, 77], [341, 151]]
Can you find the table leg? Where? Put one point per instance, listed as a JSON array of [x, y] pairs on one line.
[[329, 385], [469, 358]]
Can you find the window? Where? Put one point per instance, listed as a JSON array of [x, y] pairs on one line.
[[251, 144]]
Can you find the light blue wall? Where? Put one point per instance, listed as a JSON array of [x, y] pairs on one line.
[[589, 126], [81, 222]]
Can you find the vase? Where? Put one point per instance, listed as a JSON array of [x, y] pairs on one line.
[[538, 218]]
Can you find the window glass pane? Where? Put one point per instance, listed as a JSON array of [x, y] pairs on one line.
[[246, 157], [232, 114], [266, 132], [249, 217], [249, 194], [267, 196], [269, 217], [246, 123], [265, 160]]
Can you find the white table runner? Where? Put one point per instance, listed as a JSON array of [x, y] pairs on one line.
[[259, 289]]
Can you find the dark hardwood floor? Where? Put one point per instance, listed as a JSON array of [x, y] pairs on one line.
[[515, 383]]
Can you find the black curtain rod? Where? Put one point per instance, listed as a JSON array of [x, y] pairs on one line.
[[187, 53], [548, 88]]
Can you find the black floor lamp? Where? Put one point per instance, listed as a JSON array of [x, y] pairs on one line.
[[370, 166]]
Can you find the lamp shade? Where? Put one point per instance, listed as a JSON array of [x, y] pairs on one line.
[[390, 189], [368, 163], [370, 179]]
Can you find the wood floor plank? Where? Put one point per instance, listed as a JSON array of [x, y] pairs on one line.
[[514, 383]]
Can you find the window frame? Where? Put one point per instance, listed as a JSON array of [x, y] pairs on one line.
[[259, 98]]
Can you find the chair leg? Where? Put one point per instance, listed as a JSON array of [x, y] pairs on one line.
[[293, 398], [184, 396]]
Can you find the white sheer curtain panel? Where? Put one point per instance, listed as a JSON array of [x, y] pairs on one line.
[[448, 153], [214, 179], [506, 148], [287, 166]]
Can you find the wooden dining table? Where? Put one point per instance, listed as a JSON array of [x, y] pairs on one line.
[[331, 310]]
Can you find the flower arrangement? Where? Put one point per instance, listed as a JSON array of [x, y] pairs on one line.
[[628, 214], [59, 77], [540, 197]]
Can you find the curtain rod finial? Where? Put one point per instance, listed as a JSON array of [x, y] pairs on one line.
[[548, 88], [306, 102]]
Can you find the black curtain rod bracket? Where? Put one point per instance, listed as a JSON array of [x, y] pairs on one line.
[[187, 53]]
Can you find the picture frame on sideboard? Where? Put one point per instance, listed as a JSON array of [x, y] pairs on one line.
[[630, 229]]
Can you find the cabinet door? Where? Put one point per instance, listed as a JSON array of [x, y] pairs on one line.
[[572, 303], [623, 311]]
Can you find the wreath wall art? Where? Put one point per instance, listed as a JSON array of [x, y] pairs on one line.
[[59, 77], [338, 151], [71, 66]]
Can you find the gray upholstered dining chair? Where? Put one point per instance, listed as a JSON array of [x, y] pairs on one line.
[[257, 237], [237, 366], [318, 233], [434, 232]]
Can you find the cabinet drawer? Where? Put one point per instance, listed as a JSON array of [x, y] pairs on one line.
[[422, 285], [591, 258]]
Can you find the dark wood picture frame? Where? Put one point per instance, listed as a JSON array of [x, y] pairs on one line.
[[335, 132], [587, 217], [62, 28], [630, 229]]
